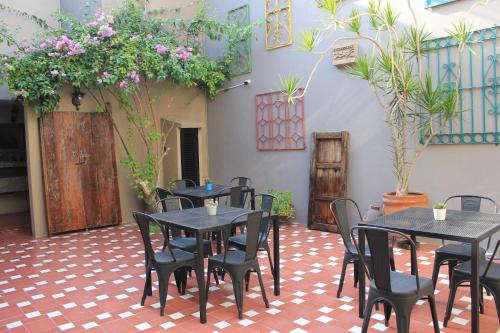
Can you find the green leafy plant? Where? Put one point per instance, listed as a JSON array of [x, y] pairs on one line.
[[285, 207], [440, 205], [410, 99], [120, 56], [208, 181]]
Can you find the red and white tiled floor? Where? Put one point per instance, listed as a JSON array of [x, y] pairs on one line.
[[92, 281]]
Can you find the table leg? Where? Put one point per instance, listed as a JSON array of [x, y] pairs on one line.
[[361, 270], [276, 254], [252, 199], [200, 276], [474, 287]]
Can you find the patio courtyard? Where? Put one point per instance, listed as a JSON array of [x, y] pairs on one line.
[[92, 281]]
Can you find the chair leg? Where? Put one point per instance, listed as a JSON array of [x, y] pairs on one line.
[[387, 313], [403, 322], [147, 287], [163, 288], [481, 300], [356, 275], [393, 264], [215, 277], [449, 306], [435, 272], [247, 281], [368, 314], [435, 321], [271, 266], [238, 294], [261, 283], [342, 277], [178, 274], [209, 272], [451, 265]]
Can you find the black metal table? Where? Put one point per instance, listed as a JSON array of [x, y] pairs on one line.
[[467, 227], [197, 221], [198, 194]]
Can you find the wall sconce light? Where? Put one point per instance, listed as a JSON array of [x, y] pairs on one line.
[[76, 98]]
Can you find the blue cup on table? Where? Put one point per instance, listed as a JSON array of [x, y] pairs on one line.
[[209, 186]]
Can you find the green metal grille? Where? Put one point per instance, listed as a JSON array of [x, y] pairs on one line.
[[477, 120], [242, 63]]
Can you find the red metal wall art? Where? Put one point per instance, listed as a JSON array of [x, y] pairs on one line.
[[279, 126]]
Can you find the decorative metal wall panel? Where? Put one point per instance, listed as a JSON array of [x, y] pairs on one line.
[[278, 23], [242, 63], [280, 126], [478, 78]]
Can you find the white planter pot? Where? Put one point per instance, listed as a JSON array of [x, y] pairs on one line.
[[439, 214], [211, 210]]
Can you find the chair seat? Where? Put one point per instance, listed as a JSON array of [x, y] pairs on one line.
[[493, 272], [235, 257], [354, 250], [240, 242], [461, 251], [189, 244], [406, 285], [180, 255]]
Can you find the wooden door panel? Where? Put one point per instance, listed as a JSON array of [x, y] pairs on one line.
[[328, 178], [78, 174], [106, 183]]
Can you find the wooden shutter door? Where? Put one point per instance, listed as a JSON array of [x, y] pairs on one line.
[[328, 178], [79, 167]]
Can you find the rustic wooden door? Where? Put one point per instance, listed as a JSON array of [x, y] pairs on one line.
[[79, 167], [328, 178]]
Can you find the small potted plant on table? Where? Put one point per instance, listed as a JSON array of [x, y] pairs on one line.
[[208, 184], [211, 206], [439, 211]]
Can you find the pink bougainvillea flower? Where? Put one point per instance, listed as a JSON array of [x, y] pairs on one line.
[[106, 31], [123, 84], [54, 72], [105, 74], [43, 45], [161, 49], [99, 81], [149, 36]]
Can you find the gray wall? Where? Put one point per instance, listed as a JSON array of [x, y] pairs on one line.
[[337, 102]]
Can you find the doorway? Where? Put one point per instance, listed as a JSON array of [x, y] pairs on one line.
[[14, 199], [190, 155]]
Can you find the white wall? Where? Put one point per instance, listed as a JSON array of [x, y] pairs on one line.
[[338, 102]]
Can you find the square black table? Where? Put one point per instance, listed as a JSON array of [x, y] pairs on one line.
[[198, 194], [467, 227], [198, 222]]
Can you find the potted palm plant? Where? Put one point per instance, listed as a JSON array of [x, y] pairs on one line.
[[410, 99], [439, 211]]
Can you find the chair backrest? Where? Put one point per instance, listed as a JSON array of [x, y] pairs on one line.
[[266, 204], [242, 181], [252, 237], [341, 209], [379, 245], [472, 203], [492, 259], [170, 204], [144, 221], [237, 195], [181, 184], [162, 193]]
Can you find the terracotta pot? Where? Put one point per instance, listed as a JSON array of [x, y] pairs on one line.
[[393, 203]]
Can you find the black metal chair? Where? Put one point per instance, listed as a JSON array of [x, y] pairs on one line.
[[238, 263], [242, 181], [240, 241], [163, 193], [397, 290], [181, 184], [339, 210], [179, 241], [453, 253], [237, 196], [489, 278], [164, 263]]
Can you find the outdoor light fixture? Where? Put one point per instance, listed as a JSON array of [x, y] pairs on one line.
[[76, 98], [245, 83]]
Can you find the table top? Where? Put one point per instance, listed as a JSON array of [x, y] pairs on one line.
[[201, 192], [459, 225], [197, 219]]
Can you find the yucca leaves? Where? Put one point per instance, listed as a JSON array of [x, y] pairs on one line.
[[308, 40], [354, 23], [331, 7], [363, 68], [290, 86]]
